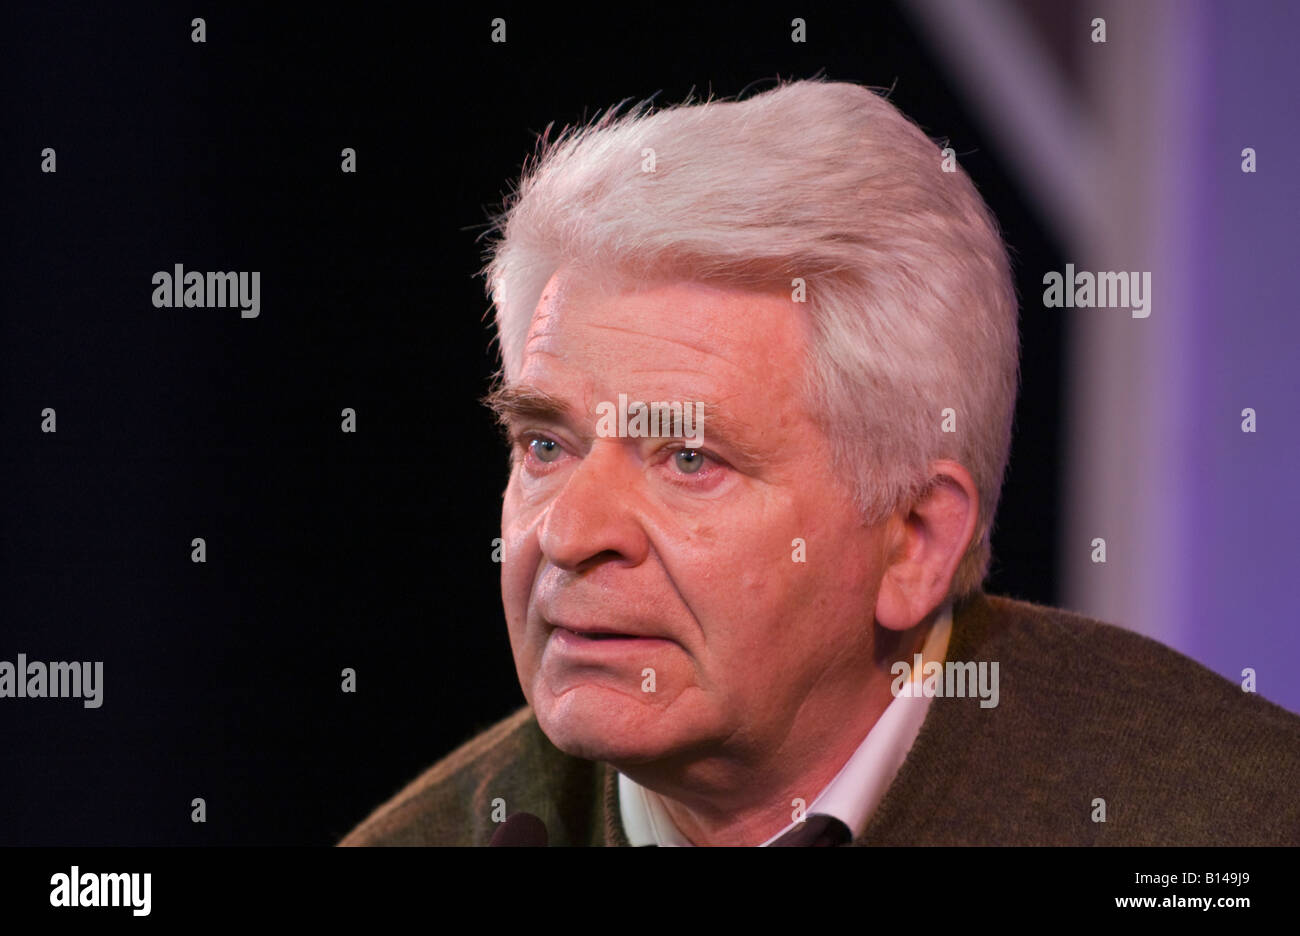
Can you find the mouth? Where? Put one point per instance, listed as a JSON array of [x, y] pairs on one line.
[[569, 639], [601, 635]]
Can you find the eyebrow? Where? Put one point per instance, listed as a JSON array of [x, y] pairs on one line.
[[523, 402]]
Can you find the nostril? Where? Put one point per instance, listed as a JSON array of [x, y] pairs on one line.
[[596, 561]]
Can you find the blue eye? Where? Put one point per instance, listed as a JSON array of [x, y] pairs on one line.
[[546, 450], [689, 460]]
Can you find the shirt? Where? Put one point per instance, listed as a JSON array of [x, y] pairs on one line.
[[854, 792]]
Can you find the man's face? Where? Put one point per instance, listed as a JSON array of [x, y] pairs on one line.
[[692, 557]]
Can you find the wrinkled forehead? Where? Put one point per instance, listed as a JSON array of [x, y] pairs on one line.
[[664, 328]]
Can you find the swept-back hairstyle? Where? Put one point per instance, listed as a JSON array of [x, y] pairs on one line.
[[908, 286]]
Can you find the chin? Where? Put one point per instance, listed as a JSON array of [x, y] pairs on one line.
[[601, 724]]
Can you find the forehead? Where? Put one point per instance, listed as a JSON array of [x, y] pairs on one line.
[[665, 335]]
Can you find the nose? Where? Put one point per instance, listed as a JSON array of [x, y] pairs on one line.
[[593, 519]]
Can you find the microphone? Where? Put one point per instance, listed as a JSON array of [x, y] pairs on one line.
[[522, 830]]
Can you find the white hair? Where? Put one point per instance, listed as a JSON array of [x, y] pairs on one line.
[[909, 289]]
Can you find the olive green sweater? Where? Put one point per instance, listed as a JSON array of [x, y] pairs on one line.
[[1086, 711]]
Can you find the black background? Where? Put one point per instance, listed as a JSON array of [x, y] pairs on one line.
[[324, 550]]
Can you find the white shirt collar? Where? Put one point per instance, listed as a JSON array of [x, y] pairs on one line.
[[854, 793]]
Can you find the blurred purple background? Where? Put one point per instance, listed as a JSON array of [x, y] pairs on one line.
[[1133, 150]]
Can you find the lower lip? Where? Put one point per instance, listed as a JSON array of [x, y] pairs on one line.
[[574, 643]]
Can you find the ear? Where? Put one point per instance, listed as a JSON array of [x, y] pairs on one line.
[[926, 546]]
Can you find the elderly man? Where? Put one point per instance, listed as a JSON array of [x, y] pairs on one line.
[[773, 632]]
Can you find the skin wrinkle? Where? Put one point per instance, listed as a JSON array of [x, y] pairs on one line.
[[669, 340]]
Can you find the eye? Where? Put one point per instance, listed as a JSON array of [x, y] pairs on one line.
[[688, 460], [693, 469], [546, 450]]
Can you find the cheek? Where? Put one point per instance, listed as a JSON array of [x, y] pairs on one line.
[[779, 587], [519, 561], [746, 590]]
